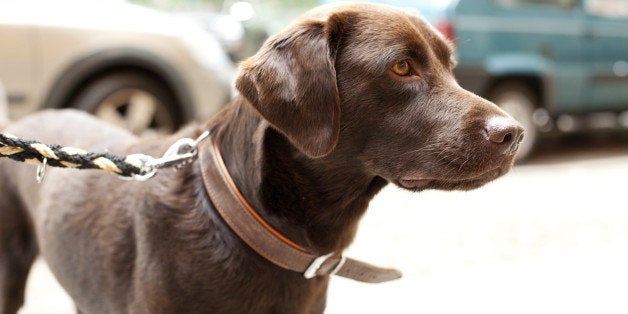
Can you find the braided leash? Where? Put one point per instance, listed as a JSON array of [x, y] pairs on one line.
[[136, 166]]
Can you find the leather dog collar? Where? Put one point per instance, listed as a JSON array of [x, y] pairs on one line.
[[251, 228]]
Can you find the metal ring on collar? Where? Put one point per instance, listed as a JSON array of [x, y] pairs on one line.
[[310, 272]]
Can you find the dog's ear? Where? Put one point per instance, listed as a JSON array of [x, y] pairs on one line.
[[291, 82]]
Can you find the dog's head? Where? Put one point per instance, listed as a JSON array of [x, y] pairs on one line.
[[375, 85]]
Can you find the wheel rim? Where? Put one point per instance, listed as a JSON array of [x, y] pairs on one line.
[[137, 111], [521, 109]]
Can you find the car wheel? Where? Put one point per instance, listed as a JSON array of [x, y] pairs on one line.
[[132, 101], [519, 101]]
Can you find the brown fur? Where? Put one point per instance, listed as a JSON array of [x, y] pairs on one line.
[[320, 126]]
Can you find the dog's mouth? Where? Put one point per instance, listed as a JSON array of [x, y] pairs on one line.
[[420, 183], [414, 184]]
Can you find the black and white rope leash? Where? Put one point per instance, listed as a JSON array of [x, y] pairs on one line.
[[135, 167]]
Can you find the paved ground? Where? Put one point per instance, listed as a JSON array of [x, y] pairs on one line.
[[550, 237]]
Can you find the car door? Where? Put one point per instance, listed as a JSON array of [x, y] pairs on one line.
[[552, 31], [606, 49], [527, 38]]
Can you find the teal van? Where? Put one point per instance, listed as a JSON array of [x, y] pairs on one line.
[[553, 64]]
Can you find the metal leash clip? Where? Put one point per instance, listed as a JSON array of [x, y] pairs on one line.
[[178, 155], [41, 170]]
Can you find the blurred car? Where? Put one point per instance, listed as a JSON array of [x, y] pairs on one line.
[[553, 64], [228, 31], [139, 68]]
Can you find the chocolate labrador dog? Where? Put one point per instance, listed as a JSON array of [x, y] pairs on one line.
[[347, 99]]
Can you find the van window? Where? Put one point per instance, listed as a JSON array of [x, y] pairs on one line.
[[608, 8], [562, 4]]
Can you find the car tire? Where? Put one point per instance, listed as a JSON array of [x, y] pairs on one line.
[[134, 101], [519, 101]]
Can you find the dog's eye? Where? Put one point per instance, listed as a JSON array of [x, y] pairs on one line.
[[402, 68]]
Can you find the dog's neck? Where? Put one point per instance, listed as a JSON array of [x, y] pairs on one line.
[[314, 202]]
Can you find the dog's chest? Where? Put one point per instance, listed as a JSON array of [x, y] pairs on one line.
[[204, 267]]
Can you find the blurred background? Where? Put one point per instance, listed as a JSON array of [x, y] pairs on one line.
[[550, 237]]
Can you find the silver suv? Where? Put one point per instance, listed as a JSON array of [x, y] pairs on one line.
[[139, 68]]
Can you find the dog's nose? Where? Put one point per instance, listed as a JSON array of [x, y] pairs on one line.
[[504, 133]]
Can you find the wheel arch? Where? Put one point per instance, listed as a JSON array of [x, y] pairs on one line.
[[535, 83], [88, 68], [529, 69]]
